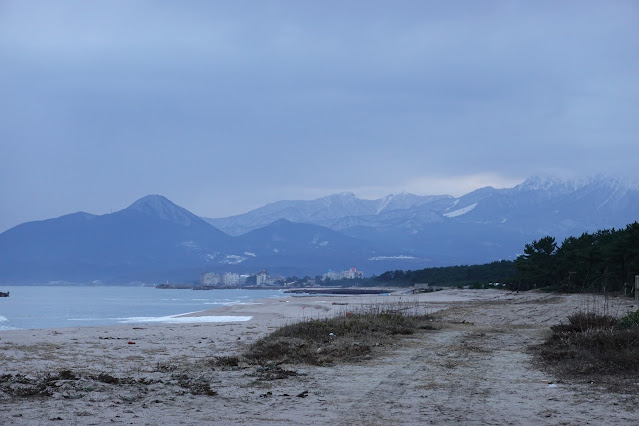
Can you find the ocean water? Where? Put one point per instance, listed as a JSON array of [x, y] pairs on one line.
[[30, 307]]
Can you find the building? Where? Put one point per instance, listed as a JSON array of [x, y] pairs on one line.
[[351, 274], [261, 278], [330, 275], [231, 278], [210, 279]]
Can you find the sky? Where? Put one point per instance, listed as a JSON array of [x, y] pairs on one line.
[[224, 106]]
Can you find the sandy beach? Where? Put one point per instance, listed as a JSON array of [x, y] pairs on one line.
[[475, 367]]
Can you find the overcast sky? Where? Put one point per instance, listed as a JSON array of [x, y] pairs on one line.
[[224, 106]]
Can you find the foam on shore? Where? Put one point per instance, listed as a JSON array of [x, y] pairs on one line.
[[177, 319]]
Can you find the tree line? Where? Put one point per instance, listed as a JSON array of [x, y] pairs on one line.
[[500, 271], [606, 260]]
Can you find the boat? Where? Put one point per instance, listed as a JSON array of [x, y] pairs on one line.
[[4, 294]]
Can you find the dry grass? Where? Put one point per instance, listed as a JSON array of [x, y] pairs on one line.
[[350, 337], [585, 321], [594, 345]]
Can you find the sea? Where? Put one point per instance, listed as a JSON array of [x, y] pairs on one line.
[[37, 307]]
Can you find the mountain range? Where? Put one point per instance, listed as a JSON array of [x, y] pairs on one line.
[[154, 240]]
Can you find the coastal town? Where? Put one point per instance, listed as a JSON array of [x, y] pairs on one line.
[[262, 279]]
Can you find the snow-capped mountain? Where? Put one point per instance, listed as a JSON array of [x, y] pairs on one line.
[[558, 207], [155, 240], [481, 226], [326, 211]]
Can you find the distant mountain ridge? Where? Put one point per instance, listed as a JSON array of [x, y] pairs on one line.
[[597, 201], [152, 234], [154, 240], [484, 225], [325, 211]]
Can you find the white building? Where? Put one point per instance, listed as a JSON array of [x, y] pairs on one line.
[[231, 278], [210, 279], [330, 275], [261, 278], [351, 274]]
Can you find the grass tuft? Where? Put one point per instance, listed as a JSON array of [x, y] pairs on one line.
[[630, 320], [585, 321], [592, 344], [350, 337]]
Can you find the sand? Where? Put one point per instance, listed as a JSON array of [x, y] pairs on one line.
[[476, 368]]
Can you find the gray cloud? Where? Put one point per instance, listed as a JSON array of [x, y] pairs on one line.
[[223, 106]]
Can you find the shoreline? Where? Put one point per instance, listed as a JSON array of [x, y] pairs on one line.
[[299, 307], [32, 308]]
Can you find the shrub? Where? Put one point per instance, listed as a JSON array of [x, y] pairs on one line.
[[630, 320], [583, 321], [593, 344], [347, 338]]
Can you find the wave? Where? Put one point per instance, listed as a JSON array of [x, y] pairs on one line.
[[234, 303], [2, 319], [90, 319], [7, 328], [177, 319]]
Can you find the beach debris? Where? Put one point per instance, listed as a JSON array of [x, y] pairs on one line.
[[131, 343], [107, 378], [67, 375], [547, 381], [64, 384], [302, 394], [197, 386], [202, 389], [225, 361], [165, 366], [273, 372]]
